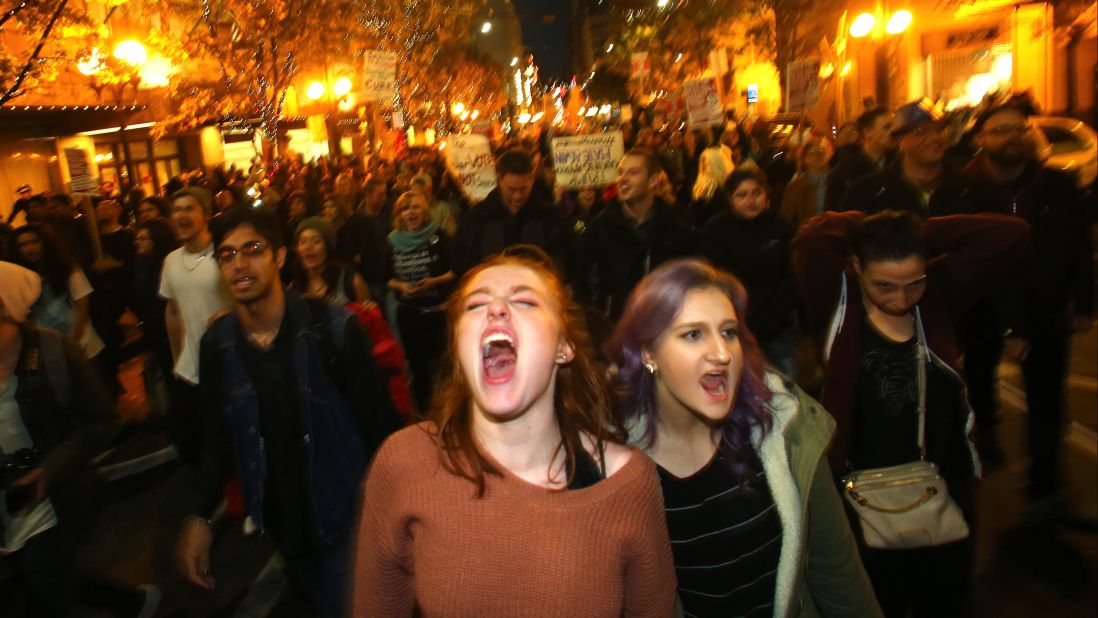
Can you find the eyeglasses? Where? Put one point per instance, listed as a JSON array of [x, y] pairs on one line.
[[1007, 129], [226, 255]]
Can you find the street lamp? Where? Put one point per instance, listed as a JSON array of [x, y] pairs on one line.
[[91, 63], [862, 25], [314, 91], [486, 27], [899, 22], [131, 52], [341, 87]]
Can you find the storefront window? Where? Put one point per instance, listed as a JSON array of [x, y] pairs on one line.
[[153, 164]]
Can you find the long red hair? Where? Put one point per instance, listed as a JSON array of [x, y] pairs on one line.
[[581, 398]]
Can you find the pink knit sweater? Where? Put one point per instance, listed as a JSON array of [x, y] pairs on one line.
[[427, 544]]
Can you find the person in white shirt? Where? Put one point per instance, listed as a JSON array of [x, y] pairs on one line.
[[191, 283]]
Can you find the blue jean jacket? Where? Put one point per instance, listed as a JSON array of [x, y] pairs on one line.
[[335, 457]]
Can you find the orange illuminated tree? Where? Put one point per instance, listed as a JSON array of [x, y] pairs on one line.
[[244, 55], [35, 37]]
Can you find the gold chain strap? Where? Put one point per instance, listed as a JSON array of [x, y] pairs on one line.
[[927, 495]]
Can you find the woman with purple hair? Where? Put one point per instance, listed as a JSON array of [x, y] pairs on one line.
[[757, 527]]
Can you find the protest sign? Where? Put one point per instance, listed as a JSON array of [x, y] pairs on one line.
[[587, 160], [378, 76], [703, 104], [83, 183], [470, 157], [802, 84]]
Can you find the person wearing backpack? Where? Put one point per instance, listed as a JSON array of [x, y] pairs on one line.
[[293, 401]]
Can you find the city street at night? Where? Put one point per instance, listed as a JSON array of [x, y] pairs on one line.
[[530, 308]]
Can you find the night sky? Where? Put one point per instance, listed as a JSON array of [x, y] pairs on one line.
[[549, 40]]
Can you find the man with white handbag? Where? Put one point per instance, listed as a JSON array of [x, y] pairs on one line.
[[882, 294]]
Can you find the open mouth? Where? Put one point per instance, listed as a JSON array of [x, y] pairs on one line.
[[242, 283], [715, 385], [498, 356]]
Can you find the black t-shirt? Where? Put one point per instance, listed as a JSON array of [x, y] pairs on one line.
[[726, 538], [886, 405], [287, 517], [120, 246], [430, 259]]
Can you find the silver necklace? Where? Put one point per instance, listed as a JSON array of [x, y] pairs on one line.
[[205, 252]]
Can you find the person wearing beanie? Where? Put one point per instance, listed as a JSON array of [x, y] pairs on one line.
[[201, 194], [191, 283], [318, 272]]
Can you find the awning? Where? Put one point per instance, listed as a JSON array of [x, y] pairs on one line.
[[25, 121]]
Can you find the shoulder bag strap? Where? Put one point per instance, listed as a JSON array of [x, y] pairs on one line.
[[920, 372]]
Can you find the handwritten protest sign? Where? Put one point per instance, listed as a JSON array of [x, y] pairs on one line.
[[802, 84], [703, 104], [470, 157], [378, 76], [587, 160], [83, 183]]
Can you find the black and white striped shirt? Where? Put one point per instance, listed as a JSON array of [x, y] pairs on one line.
[[726, 539]]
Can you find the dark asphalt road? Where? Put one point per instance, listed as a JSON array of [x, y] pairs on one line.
[[1042, 572]]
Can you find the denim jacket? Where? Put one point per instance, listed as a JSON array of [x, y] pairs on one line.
[[337, 444]]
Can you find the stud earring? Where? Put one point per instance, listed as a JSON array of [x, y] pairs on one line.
[[650, 367], [562, 357]]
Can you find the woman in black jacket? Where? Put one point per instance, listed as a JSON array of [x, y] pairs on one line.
[[751, 241]]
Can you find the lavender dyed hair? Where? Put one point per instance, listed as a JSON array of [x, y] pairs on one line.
[[651, 310]]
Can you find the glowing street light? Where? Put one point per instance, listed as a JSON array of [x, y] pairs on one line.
[[862, 25], [899, 22], [92, 62], [131, 52], [315, 91], [486, 27], [341, 87], [458, 108]]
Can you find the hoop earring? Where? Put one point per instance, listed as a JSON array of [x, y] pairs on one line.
[[650, 367]]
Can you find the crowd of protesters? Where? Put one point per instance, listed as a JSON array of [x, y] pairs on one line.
[[606, 392]]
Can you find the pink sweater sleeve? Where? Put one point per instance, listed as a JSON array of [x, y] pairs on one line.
[[383, 583], [650, 582]]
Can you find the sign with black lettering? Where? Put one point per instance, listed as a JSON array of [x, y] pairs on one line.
[[587, 160], [378, 76], [470, 158], [83, 183]]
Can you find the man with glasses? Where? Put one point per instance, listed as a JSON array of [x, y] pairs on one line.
[[292, 402], [1059, 293], [192, 286], [918, 181]]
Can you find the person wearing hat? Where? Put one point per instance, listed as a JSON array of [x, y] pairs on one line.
[[1058, 294], [191, 283], [918, 181], [875, 150], [24, 192], [318, 272]]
